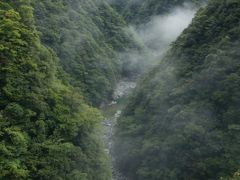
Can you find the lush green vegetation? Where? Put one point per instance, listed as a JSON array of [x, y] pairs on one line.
[[58, 57], [183, 120], [236, 176], [46, 129], [87, 37], [140, 11]]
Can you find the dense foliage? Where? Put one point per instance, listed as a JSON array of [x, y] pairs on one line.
[[46, 129], [57, 56], [139, 11], [86, 36], [235, 176], [183, 120]]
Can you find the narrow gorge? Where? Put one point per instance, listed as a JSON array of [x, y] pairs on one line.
[[119, 89]]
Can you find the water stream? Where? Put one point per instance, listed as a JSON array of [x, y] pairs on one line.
[[112, 112]]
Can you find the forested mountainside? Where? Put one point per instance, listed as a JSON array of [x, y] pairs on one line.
[[182, 121], [61, 58], [46, 129], [155, 25], [140, 11], [86, 36]]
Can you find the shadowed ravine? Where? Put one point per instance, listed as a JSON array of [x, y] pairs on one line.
[[120, 90], [112, 112], [156, 35]]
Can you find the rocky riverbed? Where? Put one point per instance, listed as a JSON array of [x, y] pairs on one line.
[[112, 112]]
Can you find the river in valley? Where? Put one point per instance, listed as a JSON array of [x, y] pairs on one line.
[[112, 111]]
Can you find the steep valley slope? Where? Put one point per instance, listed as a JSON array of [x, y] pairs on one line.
[[182, 121], [62, 60]]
